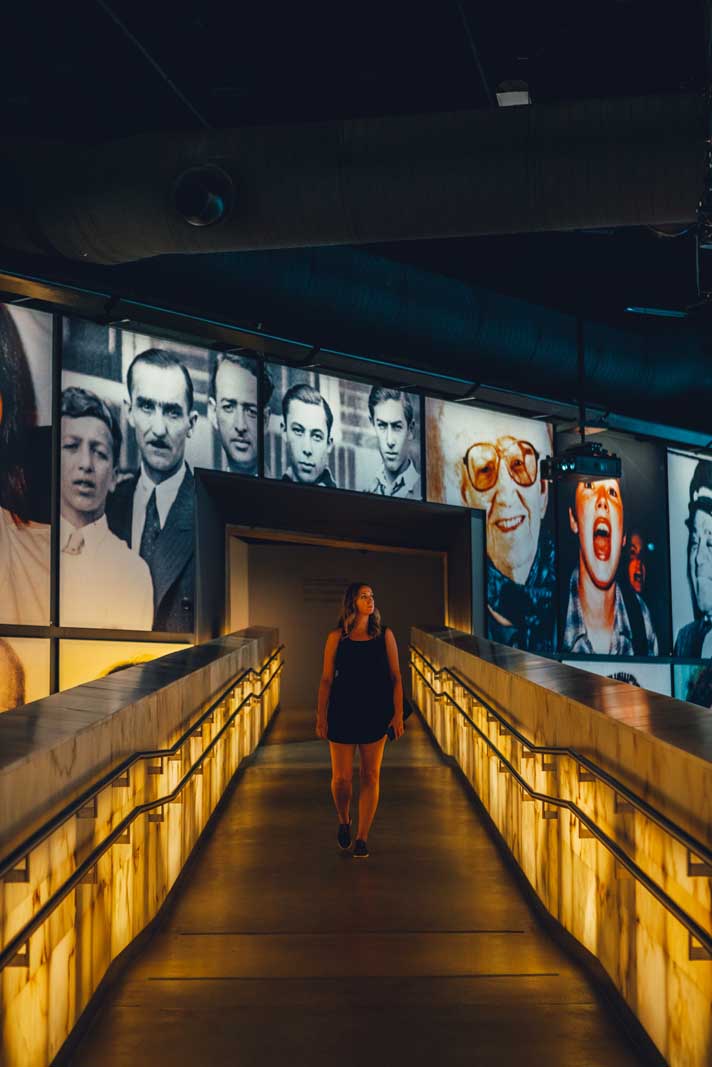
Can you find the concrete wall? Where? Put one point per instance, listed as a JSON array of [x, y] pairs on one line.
[[238, 588], [299, 587]]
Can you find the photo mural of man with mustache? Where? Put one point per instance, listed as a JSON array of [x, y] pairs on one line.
[[154, 509], [102, 583], [603, 616]]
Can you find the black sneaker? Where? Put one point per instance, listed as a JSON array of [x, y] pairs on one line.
[[344, 835], [360, 851]]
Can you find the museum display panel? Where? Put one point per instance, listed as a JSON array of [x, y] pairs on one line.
[[690, 518], [136, 419], [613, 555], [491, 460], [653, 676], [139, 414], [84, 661], [342, 434], [25, 465]]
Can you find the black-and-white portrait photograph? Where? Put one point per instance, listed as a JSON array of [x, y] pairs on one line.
[[655, 677], [233, 409], [25, 465], [135, 422], [690, 517], [321, 430]]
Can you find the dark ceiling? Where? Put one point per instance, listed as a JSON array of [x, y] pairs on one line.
[[96, 70], [93, 71]]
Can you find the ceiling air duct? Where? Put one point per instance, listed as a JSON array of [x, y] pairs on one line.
[[563, 166]]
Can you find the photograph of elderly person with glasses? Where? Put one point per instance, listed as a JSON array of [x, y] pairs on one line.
[[489, 460]]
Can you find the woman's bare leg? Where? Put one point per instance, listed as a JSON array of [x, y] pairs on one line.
[[370, 775], [342, 769]]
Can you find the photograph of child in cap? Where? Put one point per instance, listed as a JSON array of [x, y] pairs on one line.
[[690, 509], [652, 676]]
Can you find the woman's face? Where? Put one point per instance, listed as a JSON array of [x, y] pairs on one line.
[[364, 603]]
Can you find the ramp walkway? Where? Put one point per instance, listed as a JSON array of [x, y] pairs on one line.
[[278, 949]]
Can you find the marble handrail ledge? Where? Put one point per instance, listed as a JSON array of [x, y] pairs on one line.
[[659, 749]]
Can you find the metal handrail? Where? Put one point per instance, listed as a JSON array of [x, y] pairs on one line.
[[694, 930], [12, 952], [697, 848], [13, 859]]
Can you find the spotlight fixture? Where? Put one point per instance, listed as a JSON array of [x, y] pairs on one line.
[[203, 195], [586, 461]]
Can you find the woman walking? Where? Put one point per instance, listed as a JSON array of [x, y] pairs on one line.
[[360, 699]]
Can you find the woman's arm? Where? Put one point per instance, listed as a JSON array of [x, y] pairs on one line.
[[327, 677], [394, 667]]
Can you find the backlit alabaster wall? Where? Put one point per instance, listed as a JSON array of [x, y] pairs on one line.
[[69, 747], [660, 749]]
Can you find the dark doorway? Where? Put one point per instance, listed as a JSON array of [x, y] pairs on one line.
[[336, 519], [297, 583]]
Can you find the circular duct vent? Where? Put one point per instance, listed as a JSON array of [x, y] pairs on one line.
[[203, 195]]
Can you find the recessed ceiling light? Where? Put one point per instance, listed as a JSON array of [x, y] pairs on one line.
[[513, 94]]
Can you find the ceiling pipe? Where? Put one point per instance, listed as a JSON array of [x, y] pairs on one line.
[[562, 166], [354, 301], [390, 314]]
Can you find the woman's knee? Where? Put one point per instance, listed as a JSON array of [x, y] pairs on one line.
[[341, 781], [369, 776]]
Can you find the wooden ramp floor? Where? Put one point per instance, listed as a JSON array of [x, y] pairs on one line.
[[279, 949]]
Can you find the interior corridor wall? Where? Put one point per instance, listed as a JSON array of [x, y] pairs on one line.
[[299, 588]]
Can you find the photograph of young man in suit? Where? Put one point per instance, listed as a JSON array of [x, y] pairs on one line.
[[154, 509]]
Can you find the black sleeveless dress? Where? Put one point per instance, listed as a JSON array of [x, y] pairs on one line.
[[361, 699]]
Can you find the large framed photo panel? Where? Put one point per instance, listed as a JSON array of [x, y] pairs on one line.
[[613, 553], [25, 465], [491, 460], [137, 417], [84, 661], [690, 518], [655, 677], [341, 434]]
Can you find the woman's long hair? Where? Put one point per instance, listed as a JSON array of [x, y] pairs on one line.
[[348, 616], [17, 417]]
